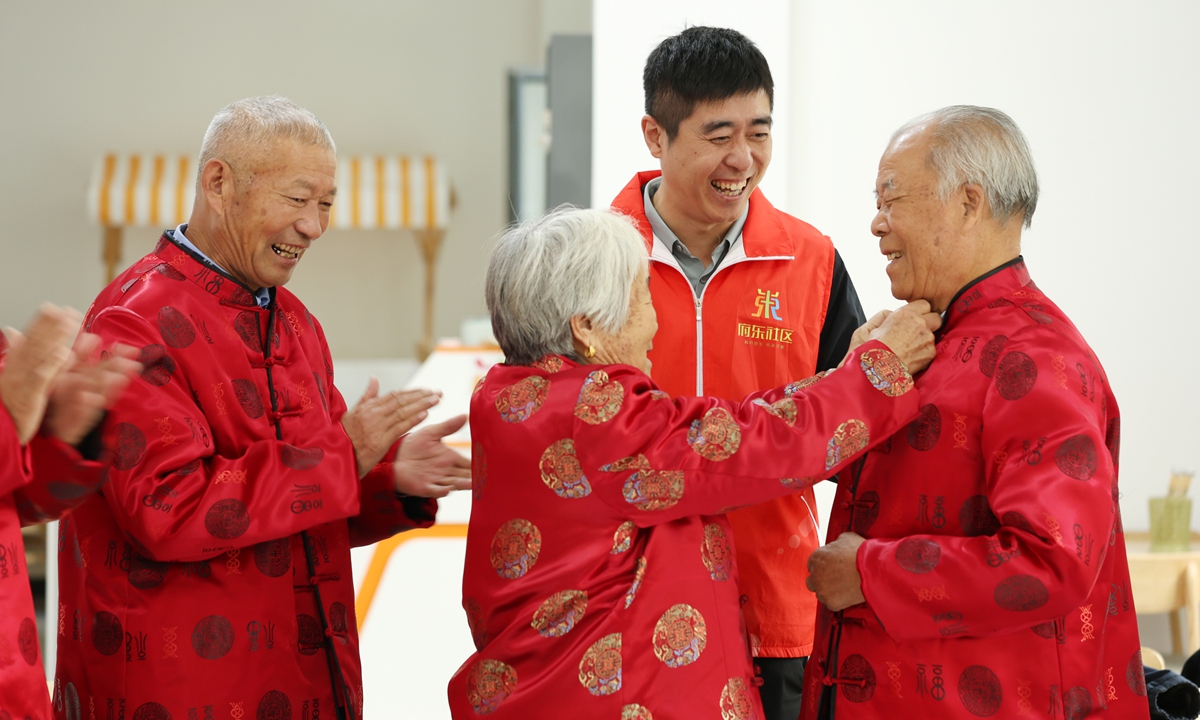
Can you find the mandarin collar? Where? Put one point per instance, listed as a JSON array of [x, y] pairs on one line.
[[549, 363], [215, 281], [984, 290]]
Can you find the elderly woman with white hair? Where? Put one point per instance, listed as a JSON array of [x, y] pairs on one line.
[[599, 576]]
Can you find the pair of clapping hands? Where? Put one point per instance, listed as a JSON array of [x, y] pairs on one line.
[[908, 332], [48, 382], [63, 388], [424, 465]]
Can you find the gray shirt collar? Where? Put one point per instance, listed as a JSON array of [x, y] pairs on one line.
[[691, 265]]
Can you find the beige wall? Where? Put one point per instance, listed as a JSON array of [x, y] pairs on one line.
[[81, 79]]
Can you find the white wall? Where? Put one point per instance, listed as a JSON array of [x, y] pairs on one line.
[[1107, 94], [625, 31]]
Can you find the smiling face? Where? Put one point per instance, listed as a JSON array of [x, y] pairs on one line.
[[929, 258], [718, 157], [278, 210]]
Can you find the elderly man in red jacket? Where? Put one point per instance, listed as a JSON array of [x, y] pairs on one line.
[[748, 298], [977, 563], [50, 459], [211, 576]]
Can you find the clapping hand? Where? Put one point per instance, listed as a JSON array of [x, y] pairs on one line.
[[90, 384], [34, 360], [376, 422], [426, 467]]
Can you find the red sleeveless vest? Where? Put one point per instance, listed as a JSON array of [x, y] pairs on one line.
[[757, 325]]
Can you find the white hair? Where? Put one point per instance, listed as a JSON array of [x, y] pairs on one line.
[[247, 128], [571, 262], [982, 146]]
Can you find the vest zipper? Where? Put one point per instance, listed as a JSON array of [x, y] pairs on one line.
[[700, 301], [700, 345]]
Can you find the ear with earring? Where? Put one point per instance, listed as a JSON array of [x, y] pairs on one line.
[[590, 353]]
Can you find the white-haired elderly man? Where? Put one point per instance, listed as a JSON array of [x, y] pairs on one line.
[[976, 564], [211, 576]]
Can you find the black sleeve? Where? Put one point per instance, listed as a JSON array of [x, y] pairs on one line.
[[844, 316], [91, 446]]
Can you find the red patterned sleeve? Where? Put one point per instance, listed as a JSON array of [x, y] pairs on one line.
[[382, 511], [62, 480], [47, 477], [180, 500], [15, 461], [1028, 567], [656, 459]]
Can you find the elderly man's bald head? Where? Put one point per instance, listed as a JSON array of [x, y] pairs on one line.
[[983, 146], [244, 133]]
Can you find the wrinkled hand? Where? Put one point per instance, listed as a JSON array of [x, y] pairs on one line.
[[833, 573], [34, 361], [89, 385], [425, 467], [908, 332], [863, 333], [376, 422]]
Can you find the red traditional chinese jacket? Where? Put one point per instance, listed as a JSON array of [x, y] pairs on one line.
[[757, 325], [38, 482], [600, 579], [211, 576], [994, 569]]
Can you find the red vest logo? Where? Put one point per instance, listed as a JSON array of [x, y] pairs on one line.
[[767, 305]]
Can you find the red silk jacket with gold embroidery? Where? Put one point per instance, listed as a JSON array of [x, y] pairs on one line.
[[38, 482], [757, 326], [211, 575], [599, 576], [994, 572]]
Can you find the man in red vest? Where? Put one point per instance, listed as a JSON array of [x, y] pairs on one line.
[[748, 298]]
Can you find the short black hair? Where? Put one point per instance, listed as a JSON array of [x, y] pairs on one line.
[[701, 64]]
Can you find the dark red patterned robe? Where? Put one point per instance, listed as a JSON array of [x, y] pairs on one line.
[[994, 570], [38, 482], [211, 576], [600, 578]]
